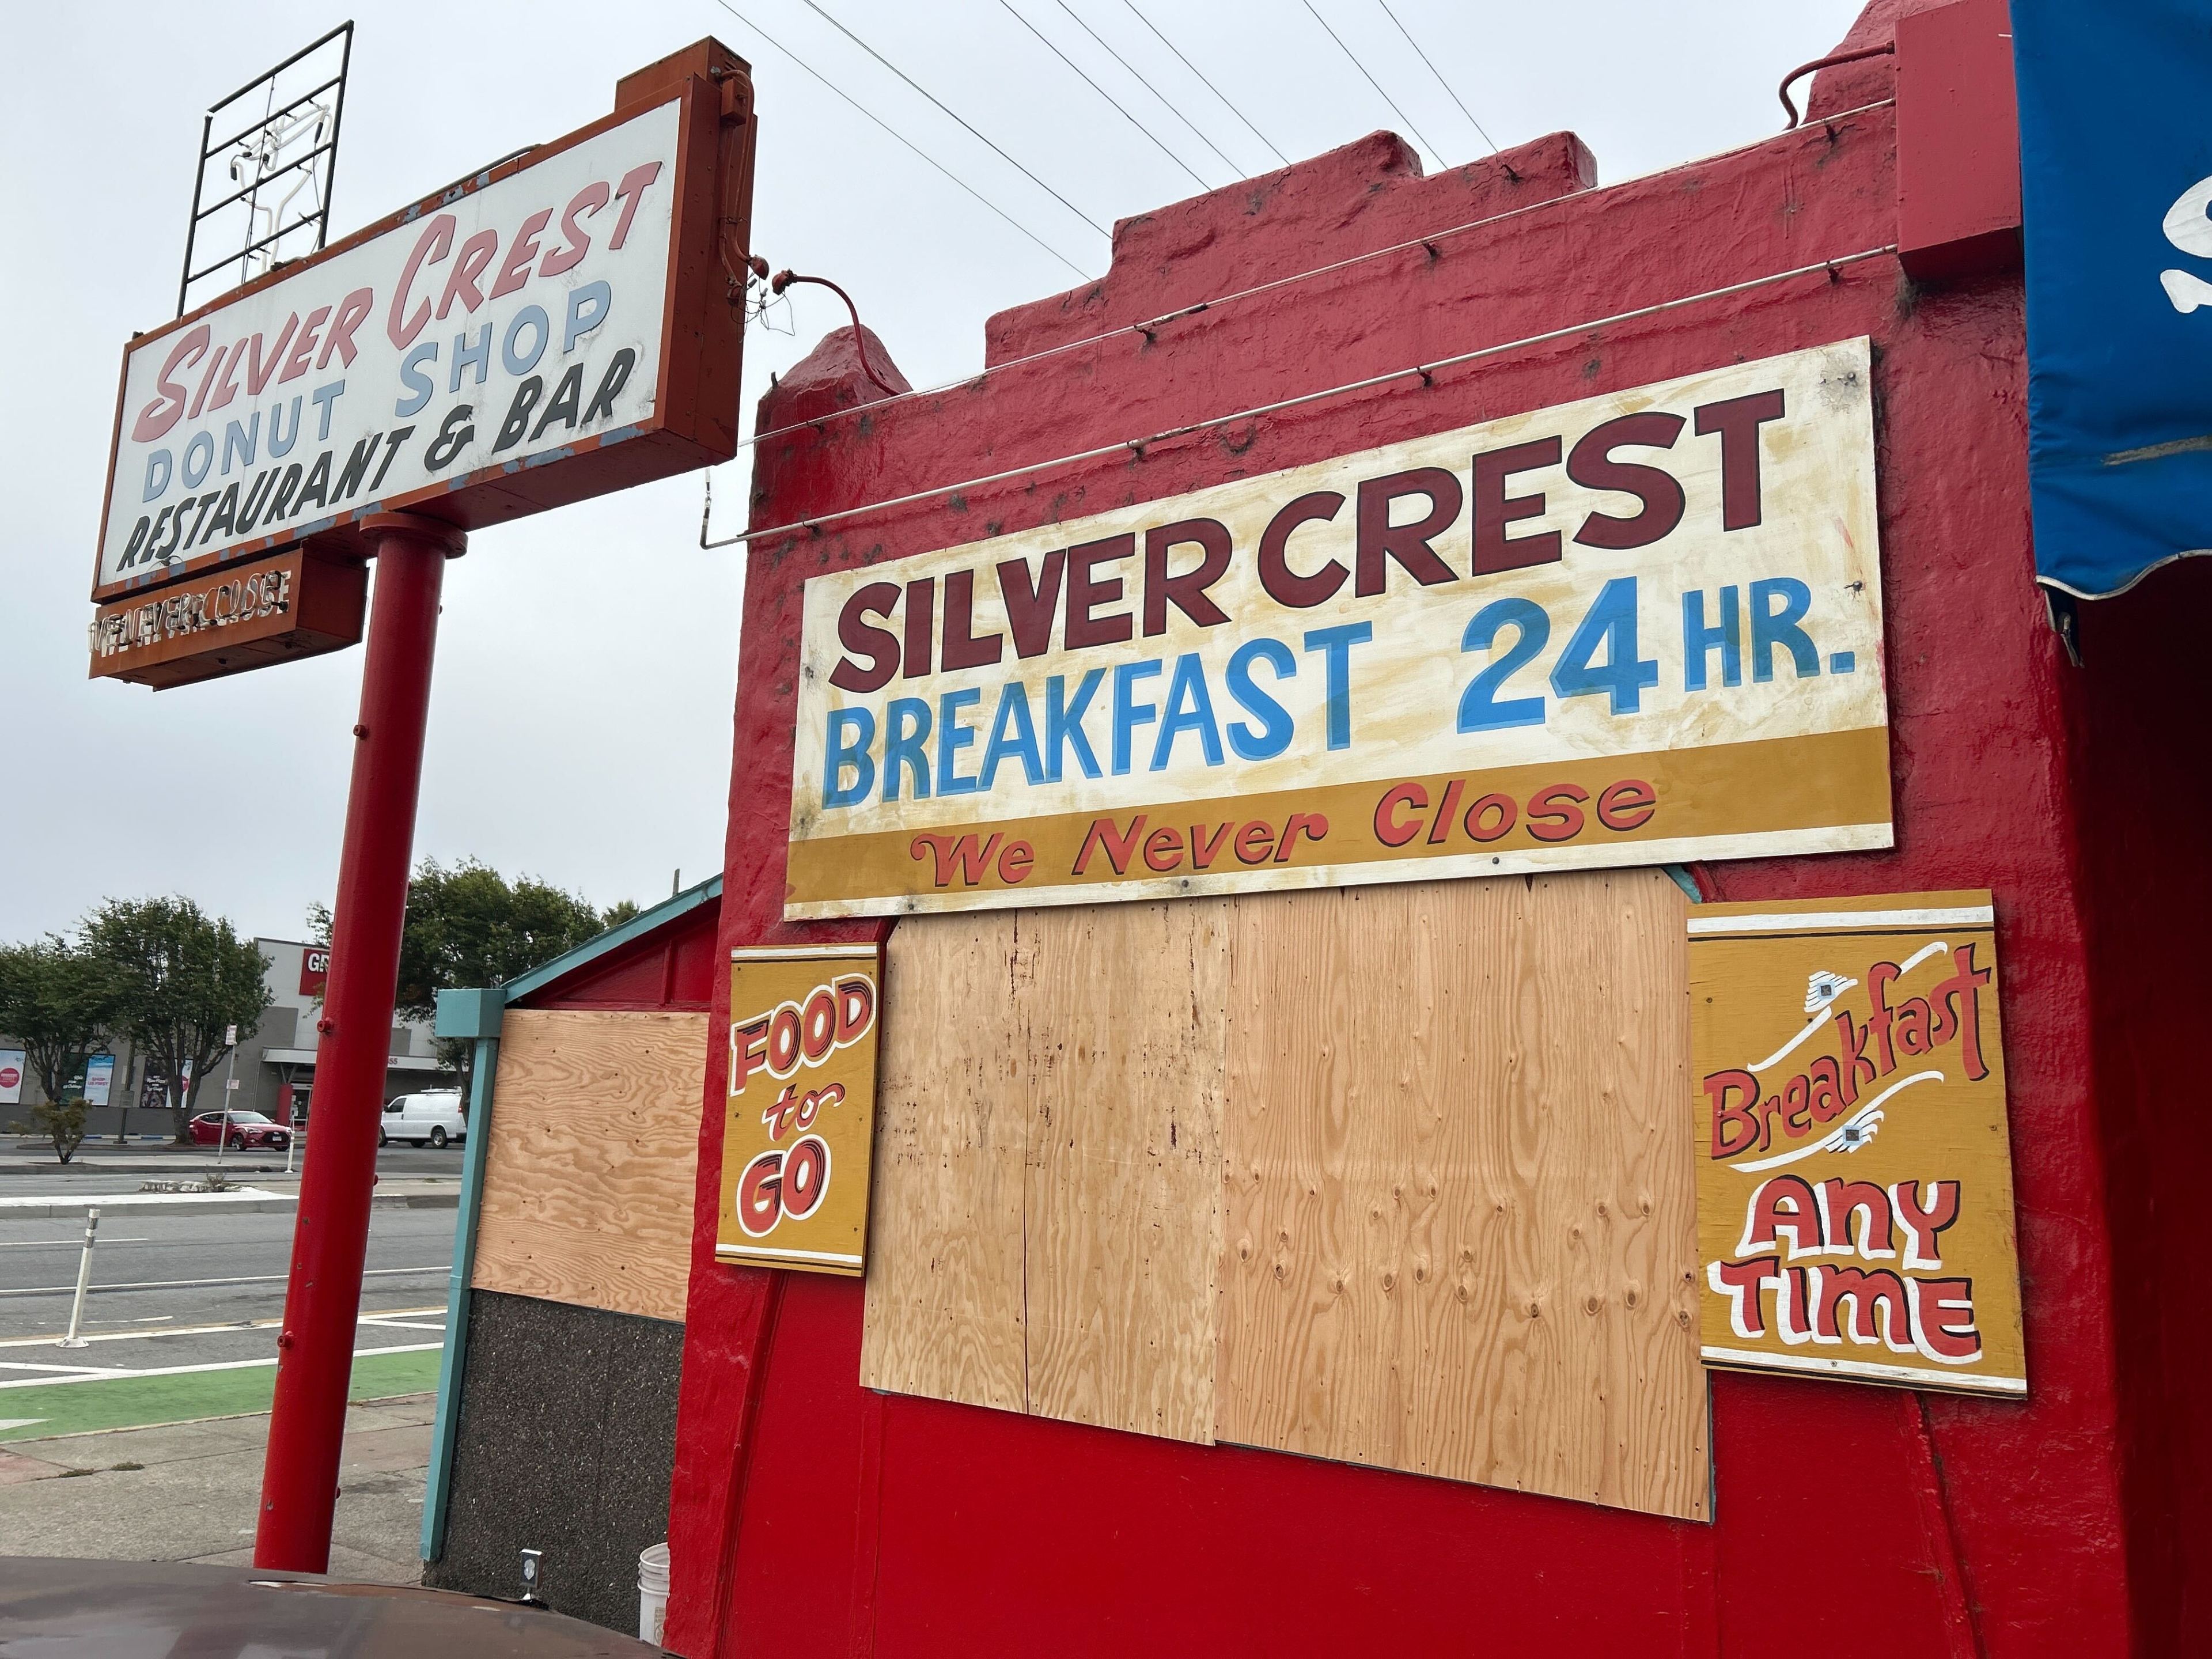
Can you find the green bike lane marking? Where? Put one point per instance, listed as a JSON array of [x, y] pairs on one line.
[[190, 1392]]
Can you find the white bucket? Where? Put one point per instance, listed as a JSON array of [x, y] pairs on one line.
[[651, 1593]]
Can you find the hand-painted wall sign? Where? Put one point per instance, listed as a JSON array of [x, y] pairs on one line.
[[1640, 628], [1855, 1210], [799, 1145]]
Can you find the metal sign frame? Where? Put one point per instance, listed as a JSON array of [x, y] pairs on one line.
[[320, 219]]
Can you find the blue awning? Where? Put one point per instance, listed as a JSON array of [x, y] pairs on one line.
[[2116, 165]]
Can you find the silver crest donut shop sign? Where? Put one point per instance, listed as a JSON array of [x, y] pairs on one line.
[[560, 326], [549, 329]]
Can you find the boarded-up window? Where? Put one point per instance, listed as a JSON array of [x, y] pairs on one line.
[[1397, 1175], [588, 1183]]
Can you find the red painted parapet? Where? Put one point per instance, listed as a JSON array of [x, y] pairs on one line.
[[1957, 141]]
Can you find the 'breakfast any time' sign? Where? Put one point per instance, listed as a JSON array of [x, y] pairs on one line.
[[1854, 1207], [1640, 628]]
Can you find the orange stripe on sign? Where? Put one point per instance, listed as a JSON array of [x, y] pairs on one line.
[[1588, 807]]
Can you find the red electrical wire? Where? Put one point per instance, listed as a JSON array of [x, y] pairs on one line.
[[784, 279], [1829, 61]]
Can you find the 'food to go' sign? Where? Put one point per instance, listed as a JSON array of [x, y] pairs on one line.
[[1640, 628], [800, 1136]]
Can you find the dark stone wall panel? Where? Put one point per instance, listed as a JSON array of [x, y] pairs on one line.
[[568, 1435]]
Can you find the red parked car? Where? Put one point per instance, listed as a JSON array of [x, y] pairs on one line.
[[247, 1129]]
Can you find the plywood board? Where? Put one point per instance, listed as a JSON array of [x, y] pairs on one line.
[[588, 1182], [1459, 1234], [1120, 1013], [1396, 1176], [1048, 1157], [944, 1259]]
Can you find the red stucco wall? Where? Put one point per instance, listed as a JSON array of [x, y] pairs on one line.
[[812, 1518]]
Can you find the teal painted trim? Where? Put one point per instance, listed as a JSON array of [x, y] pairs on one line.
[[1685, 881], [464, 1015], [445, 1429], [614, 938]]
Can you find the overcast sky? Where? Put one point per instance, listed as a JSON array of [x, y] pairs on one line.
[[587, 661]]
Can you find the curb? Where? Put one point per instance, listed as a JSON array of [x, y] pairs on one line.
[[124, 1169], [76, 1206]]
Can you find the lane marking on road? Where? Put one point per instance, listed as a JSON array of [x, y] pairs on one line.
[[204, 1284], [28, 1365], [201, 1330], [193, 1370], [61, 1244], [7, 1422]]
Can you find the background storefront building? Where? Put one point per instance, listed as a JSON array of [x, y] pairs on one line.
[[281, 1053], [275, 1064]]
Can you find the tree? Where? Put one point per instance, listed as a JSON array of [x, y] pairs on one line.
[[180, 977], [469, 926], [57, 1000]]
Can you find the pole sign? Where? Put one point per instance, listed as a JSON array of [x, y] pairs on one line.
[[799, 1142], [556, 327], [1855, 1208], [1640, 628]]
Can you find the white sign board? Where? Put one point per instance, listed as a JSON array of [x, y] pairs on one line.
[[1640, 628], [496, 333], [11, 1077], [99, 1080]]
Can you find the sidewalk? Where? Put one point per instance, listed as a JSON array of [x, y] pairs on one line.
[[189, 1491]]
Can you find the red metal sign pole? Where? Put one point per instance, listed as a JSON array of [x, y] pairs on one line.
[[314, 1361]]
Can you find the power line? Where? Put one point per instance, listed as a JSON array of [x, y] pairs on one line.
[[1371, 82], [1233, 170], [1150, 327], [1005, 6], [903, 139], [1208, 85], [925, 92], [1439, 74], [1426, 372]]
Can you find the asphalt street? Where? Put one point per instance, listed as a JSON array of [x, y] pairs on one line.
[[158, 1274], [176, 1290]]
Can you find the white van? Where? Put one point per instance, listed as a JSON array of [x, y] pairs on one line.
[[430, 1120]]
